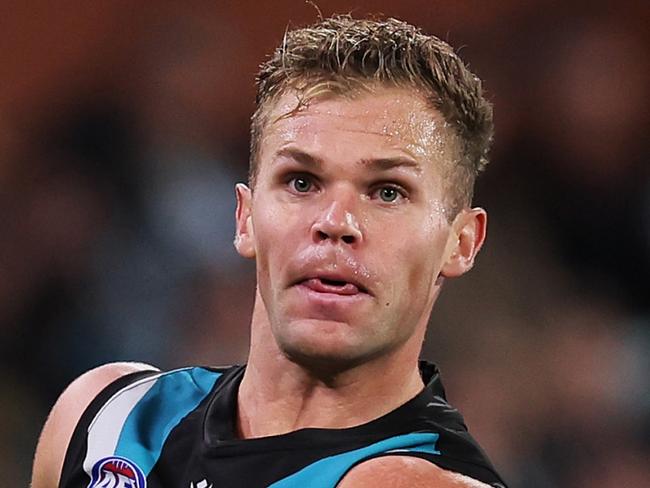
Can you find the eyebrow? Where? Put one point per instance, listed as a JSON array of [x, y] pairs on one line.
[[301, 157], [384, 164], [379, 164]]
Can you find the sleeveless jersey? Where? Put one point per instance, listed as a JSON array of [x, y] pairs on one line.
[[177, 429]]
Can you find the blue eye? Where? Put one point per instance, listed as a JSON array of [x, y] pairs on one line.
[[301, 184], [388, 194]]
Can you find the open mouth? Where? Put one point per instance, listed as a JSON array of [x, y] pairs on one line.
[[328, 285]]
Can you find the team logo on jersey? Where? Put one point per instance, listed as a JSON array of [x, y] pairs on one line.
[[117, 472], [201, 484]]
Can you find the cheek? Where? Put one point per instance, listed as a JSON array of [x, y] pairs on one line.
[[278, 232], [269, 248], [408, 241], [408, 273], [421, 251]]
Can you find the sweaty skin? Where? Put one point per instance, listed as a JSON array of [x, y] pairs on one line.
[[348, 190], [345, 136]]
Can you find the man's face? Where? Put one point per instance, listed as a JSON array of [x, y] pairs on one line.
[[347, 223]]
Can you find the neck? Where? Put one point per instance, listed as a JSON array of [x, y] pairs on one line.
[[278, 395]]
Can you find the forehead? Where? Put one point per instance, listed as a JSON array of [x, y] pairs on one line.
[[383, 119]]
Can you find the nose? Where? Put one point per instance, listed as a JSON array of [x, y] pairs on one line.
[[337, 223]]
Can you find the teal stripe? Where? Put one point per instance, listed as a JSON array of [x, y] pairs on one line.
[[327, 472], [168, 401]]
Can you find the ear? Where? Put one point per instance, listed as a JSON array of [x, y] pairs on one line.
[[244, 233], [465, 241]]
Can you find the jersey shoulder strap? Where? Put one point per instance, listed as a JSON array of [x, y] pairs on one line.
[[126, 425]]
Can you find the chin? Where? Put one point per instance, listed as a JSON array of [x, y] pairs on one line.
[[324, 346], [322, 363]]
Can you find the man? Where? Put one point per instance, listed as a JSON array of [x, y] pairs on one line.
[[365, 145]]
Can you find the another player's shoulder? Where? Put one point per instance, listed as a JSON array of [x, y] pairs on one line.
[[403, 472], [66, 413]]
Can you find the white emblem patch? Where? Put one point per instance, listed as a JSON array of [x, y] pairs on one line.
[[201, 484]]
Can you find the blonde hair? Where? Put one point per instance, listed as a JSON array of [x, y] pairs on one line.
[[341, 55]]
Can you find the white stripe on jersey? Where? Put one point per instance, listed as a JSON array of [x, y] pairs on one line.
[[105, 429]]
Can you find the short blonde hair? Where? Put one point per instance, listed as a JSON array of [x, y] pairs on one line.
[[338, 55]]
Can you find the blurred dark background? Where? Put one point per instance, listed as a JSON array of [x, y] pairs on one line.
[[123, 126]]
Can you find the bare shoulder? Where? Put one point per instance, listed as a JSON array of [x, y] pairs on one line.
[[65, 415], [403, 472]]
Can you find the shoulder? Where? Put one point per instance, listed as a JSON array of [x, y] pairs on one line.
[[61, 423], [405, 471]]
